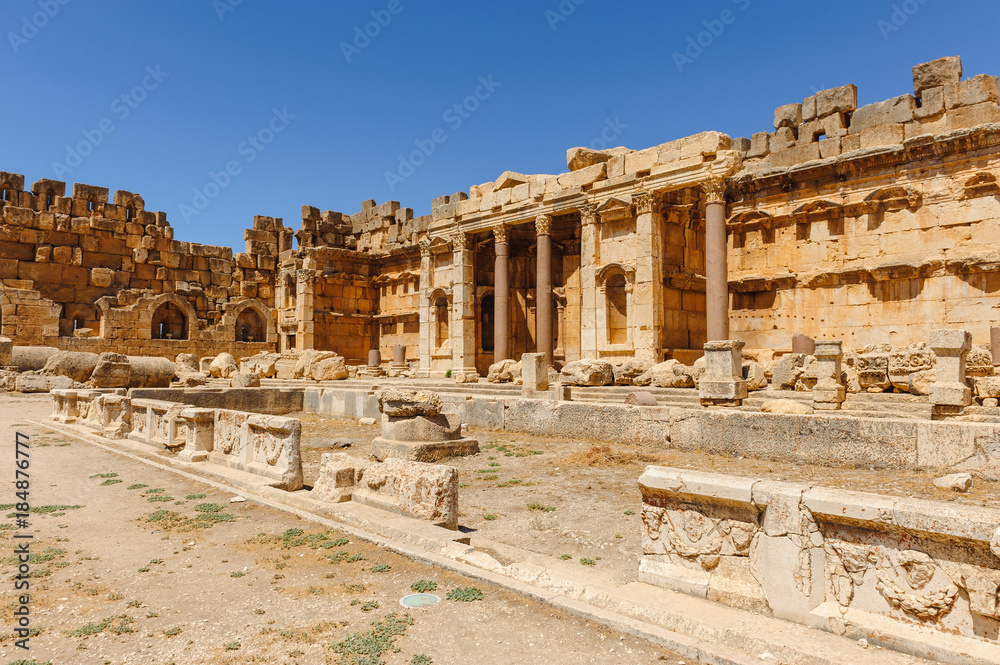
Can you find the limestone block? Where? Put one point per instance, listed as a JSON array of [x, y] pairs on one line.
[[979, 361], [581, 158], [6, 352], [191, 379], [244, 380], [329, 369], [787, 371], [504, 371], [339, 474], [891, 111], [32, 382], [223, 366], [960, 482], [151, 372], [76, 365], [753, 374], [851, 380], [668, 374], [305, 360], [628, 371], [782, 139], [919, 383], [101, 277], [534, 373], [936, 73], [836, 100], [187, 362], [916, 357], [988, 387], [873, 368], [262, 365], [759, 144], [113, 370], [786, 407], [585, 176], [440, 427], [803, 344], [407, 403], [789, 115], [641, 398], [424, 491], [588, 372]]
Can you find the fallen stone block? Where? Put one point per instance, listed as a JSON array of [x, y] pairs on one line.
[[786, 407], [504, 371], [76, 365], [960, 482], [223, 366], [113, 370], [588, 372], [641, 398], [241, 380]]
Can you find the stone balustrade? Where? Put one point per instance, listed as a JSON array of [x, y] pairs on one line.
[[158, 423]]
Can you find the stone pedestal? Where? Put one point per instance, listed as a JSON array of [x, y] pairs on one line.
[[415, 429], [723, 383], [374, 358], [534, 374], [398, 364], [949, 393], [828, 393], [199, 434]]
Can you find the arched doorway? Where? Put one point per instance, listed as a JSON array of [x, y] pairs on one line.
[[169, 322]]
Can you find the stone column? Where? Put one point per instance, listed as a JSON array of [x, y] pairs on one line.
[[995, 346], [534, 374], [716, 272], [589, 260], [501, 296], [723, 383], [426, 335], [543, 286], [647, 319], [199, 434], [304, 311], [463, 328], [949, 393], [829, 392]]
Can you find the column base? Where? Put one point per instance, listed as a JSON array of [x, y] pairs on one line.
[[193, 456]]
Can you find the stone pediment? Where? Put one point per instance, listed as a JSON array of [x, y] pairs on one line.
[[615, 208]]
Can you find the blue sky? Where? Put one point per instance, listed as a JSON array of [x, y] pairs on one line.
[[217, 110]]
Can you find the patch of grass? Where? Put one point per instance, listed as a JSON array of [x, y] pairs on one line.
[[168, 520], [369, 606], [486, 470], [619, 536], [159, 498], [491, 477], [515, 481], [381, 568], [538, 506], [208, 507], [340, 542], [115, 596], [117, 625], [604, 456], [343, 556], [172, 632], [421, 659], [588, 562], [352, 588], [462, 485], [110, 481], [368, 647], [192, 497], [490, 517], [565, 557], [423, 586], [137, 486], [105, 475], [21, 661], [135, 603], [630, 512], [55, 511], [237, 573], [155, 490], [465, 594], [494, 464], [232, 646], [258, 611]]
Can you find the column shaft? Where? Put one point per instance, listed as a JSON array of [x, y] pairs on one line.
[[501, 303], [543, 287], [716, 273]]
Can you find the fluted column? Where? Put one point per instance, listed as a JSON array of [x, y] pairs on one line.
[[543, 287], [716, 271], [501, 295], [426, 334]]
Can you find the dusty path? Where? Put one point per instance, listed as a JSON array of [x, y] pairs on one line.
[[142, 575]]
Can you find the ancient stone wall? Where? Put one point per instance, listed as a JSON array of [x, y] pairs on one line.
[[93, 273], [871, 224]]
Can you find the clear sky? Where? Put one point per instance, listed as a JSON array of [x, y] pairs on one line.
[[301, 106]]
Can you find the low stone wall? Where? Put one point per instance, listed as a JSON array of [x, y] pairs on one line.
[[911, 575], [264, 445], [826, 438], [272, 401]]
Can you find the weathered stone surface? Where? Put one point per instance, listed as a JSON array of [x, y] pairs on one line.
[[6, 352], [641, 398], [937, 73], [151, 372], [440, 427], [916, 357], [191, 379], [987, 386], [408, 403], [224, 366], [504, 371], [262, 365], [753, 374], [787, 371], [339, 475], [979, 361], [31, 358], [187, 363], [304, 362], [242, 380], [113, 370], [628, 371], [74, 364], [668, 374], [31, 382], [960, 482], [581, 158], [919, 383], [588, 372], [873, 368], [786, 407], [424, 491], [329, 369]]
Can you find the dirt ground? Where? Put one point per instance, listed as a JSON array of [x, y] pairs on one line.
[[132, 564], [579, 501]]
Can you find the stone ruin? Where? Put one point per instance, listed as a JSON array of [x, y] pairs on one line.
[[415, 428]]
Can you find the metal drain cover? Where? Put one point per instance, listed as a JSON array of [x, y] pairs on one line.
[[415, 600]]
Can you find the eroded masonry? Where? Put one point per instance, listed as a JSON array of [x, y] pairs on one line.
[[870, 225]]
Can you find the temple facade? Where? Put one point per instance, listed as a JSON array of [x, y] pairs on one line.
[[870, 224]]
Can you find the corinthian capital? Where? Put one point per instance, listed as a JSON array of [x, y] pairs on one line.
[[459, 241], [425, 249], [500, 234], [647, 202], [588, 214], [714, 189], [543, 225]]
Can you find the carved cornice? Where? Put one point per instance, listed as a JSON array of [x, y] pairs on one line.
[[543, 225]]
